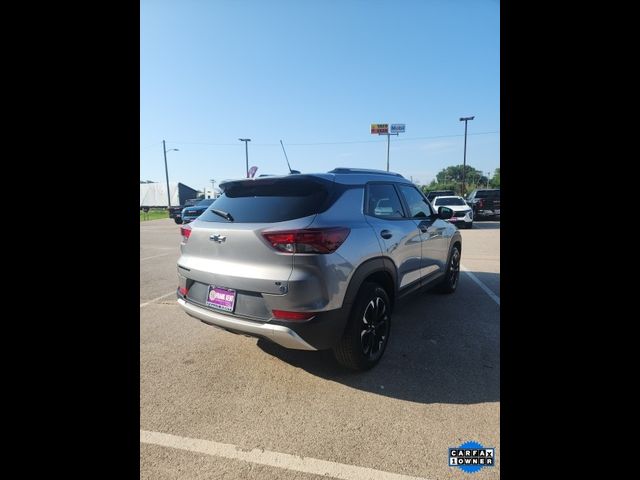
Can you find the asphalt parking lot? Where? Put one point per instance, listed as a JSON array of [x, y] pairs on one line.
[[218, 405]]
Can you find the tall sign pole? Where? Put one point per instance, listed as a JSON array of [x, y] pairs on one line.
[[388, 147], [246, 152], [464, 161], [166, 172], [383, 129]]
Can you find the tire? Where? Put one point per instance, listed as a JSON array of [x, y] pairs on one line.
[[177, 220], [452, 275], [367, 325], [470, 225]]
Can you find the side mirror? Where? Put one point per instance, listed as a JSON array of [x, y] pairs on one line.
[[445, 213]]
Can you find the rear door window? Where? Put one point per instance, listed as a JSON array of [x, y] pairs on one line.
[[383, 201], [271, 200]]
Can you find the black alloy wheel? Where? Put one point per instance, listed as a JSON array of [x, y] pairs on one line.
[[450, 281], [367, 332], [374, 328]]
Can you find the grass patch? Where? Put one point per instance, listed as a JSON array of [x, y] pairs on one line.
[[154, 214]]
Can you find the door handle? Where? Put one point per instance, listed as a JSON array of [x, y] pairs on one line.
[[386, 234], [424, 226]]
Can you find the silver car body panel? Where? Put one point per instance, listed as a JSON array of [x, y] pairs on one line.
[[236, 256], [243, 260], [404, 247], [279, 334], [319, 282]]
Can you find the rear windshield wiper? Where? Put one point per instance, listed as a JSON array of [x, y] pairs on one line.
[[226, 215]]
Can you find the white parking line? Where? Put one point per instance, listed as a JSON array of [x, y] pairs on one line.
[[486, 289], [271, 459], [156, 299], [155, 256]]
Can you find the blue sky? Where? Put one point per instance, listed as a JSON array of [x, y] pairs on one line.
[[316, 74]]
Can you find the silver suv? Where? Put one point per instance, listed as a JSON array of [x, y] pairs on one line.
[[316, 261]]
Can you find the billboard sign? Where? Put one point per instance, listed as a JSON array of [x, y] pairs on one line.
[[378, 128], [397, 127]]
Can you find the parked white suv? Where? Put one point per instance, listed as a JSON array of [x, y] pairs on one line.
[[462, 213]]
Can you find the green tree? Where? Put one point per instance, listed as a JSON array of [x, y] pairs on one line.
[[450, 178], [453, 174], [495, 180]]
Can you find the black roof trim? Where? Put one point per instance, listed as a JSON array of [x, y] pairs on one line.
[[361, 171]]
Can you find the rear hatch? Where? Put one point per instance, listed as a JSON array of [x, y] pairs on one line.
[[490, 199], [230, 251]]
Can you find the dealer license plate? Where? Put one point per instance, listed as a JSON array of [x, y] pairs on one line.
[[221, 298]]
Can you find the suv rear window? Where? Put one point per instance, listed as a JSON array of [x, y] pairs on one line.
[[450, 201], [271, 200], [487, 193], [440, 193]]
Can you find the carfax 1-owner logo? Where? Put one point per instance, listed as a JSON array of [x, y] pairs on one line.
[[472, 457]]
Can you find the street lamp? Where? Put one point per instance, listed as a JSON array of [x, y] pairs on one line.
[[166, 170], [464, 165], [246, 151]]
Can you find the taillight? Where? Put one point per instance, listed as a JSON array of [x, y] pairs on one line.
[[183, 291], [185, 232], [284, 315], [311, 240], [480, 203]]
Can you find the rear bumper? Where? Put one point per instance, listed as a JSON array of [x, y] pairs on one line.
[[487, 213], [321, 332], [277, 333], [465, 219]]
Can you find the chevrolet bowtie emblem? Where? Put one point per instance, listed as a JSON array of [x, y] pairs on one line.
[[217, 238]]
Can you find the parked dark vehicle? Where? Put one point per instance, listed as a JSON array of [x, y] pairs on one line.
[[176, 212], [189, 214], [485, 203], [440, 193]]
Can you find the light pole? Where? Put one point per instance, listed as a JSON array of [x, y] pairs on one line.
[[246, 151], [166, 170], [464, 164]]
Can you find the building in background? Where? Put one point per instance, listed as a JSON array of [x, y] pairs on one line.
[[211, 193], [155, 194]]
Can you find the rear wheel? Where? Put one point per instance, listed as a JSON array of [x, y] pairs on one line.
[[367, 332], [450, 281], [177, 220]]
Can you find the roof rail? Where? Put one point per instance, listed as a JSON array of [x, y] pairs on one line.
[[364, 171]]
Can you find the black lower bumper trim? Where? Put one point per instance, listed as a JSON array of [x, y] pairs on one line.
[[321, 332]]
